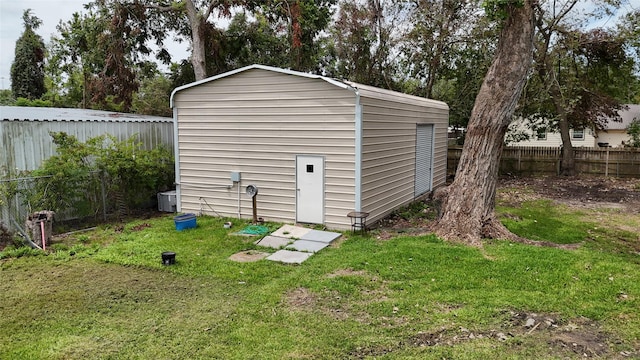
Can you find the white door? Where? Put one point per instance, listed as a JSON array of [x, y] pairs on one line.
[[424, 159], [310, 189]]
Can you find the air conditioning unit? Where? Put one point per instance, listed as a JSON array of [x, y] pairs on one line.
[[167, 201]]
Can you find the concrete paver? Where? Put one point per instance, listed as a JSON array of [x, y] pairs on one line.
[[308, 246], [321, 236], [274, 242], [290, 231], [290, 257]]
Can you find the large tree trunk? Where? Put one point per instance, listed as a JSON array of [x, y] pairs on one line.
[[468, 204], [198, 51], [568, 163]]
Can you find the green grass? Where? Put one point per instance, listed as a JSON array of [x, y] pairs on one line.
[[106, 295], [540, 220]]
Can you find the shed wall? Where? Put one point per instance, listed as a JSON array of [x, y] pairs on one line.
[[256, 122], [389, 148], [25, 144]]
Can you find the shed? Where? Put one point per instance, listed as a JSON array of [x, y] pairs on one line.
[[315, 147], [26, 142]]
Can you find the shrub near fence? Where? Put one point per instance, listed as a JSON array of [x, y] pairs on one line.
[[546, 160]]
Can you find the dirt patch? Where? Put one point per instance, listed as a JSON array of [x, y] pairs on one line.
[[140, 227], [582, 337], [333, 304], [584, 344], [413, 220], [248, 256], [576, 191], [6, 237], [300, 299], [346, 272]]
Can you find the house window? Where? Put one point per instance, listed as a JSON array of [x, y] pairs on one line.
[[578, 134], [541, 134]]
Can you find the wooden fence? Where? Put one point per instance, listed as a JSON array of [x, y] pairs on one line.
[[546, 160]]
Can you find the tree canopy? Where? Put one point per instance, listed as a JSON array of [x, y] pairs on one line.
[[104, 57], [27, 69], [581, 75]]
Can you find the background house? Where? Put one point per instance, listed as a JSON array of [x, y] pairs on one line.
[[616, 133], [316, 148], [541, 137]]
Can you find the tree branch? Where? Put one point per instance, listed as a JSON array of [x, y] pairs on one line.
[[210, 8], [161, 8]]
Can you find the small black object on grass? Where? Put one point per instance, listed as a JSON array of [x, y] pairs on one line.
[[168, 258]]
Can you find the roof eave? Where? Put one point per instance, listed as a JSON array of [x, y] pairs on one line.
[[256, 66]]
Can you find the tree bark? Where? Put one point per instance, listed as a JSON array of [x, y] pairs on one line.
[[546, 72], [568, 163], [198, 51], [468, 204]]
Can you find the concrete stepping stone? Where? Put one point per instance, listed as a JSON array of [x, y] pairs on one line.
[[290, 231], [320, 236], [274, 242], [308, 246], [290, 257]]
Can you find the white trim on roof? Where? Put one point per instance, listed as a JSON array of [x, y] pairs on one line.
[[49, 114], [364, 90], [384, 94], [261, 67]]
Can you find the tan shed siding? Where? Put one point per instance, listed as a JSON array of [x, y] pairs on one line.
[[440, 150], [388, 148], [256, 122]]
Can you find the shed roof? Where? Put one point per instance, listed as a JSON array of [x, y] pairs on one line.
[[356, 87], [21, 113]]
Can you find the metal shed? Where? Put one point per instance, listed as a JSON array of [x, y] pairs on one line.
[[315, 147], [25, 131]]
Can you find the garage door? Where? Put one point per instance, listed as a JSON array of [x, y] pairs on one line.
[[424, 159]]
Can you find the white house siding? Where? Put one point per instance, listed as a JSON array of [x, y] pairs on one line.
[[389, 147], [616, 132], [256, 122], [615, 138], [552, 139]]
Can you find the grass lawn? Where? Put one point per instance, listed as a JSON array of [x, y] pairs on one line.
[[105, 295]]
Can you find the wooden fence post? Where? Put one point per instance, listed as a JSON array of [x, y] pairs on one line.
[[519, 159], [606, 169]]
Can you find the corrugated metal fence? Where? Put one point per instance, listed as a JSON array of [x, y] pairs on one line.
[[26, 143], [546, 160]]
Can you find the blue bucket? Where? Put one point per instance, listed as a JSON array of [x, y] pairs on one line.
[[185, 221]]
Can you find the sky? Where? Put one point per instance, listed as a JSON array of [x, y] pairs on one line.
[[51, 12]]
